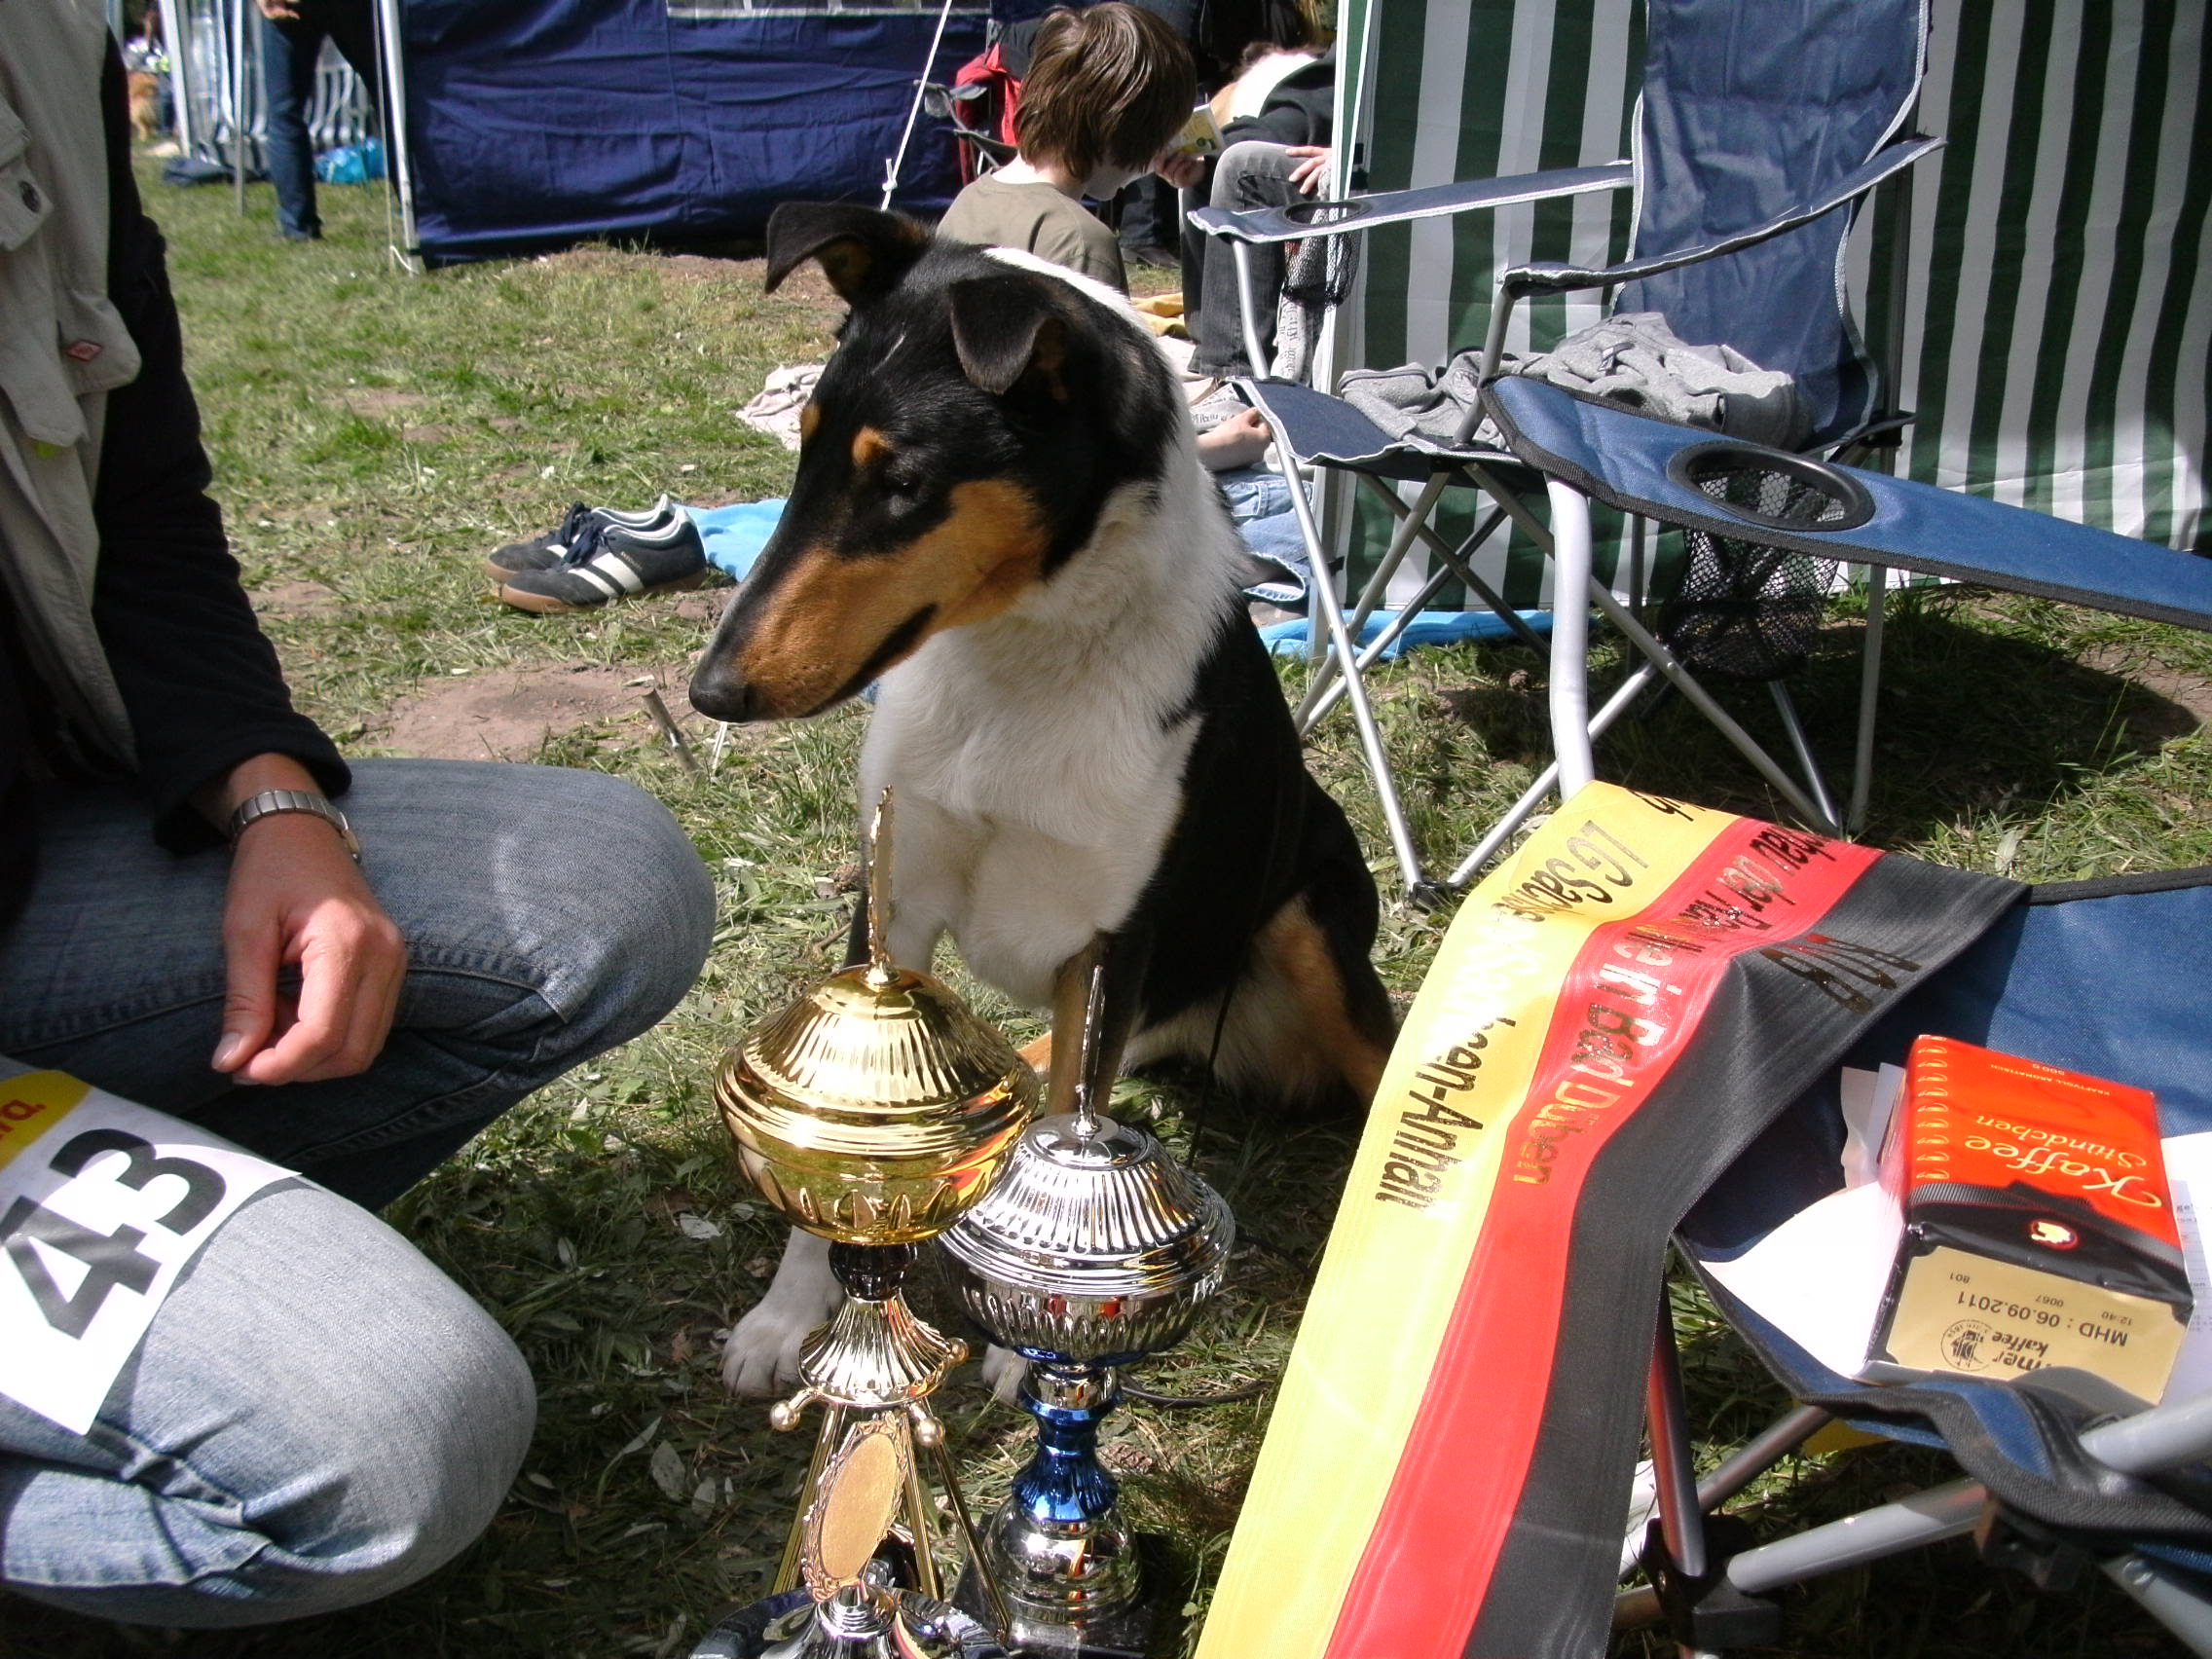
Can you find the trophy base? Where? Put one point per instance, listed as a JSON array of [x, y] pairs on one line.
[[1139, 1631], [749, 1630]]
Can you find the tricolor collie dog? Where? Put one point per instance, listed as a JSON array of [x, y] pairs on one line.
[[999, 515]]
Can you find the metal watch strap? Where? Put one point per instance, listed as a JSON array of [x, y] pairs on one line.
[[269, 802]]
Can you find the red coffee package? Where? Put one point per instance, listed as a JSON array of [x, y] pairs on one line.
[[2038, 1226]]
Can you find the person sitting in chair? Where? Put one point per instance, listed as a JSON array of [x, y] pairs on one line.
[[1275, 119]]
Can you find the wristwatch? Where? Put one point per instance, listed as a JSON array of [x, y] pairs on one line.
[[271, 801]]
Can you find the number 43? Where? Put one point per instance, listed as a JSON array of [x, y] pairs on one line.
[[114, 1260]]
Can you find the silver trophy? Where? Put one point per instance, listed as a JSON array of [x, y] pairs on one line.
[[1094, 1249]]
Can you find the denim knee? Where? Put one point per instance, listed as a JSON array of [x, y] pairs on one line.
[[575, 884], [318, 1418], [637, 905]]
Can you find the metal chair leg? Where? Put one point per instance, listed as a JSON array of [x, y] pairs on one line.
[[1683, 682], [1787, 706], [1401, 539], [1324, 596], [2166, 1598], [1519, 813], [1869, 688], [1458, 557], [1569, 691], [1681, 1523]]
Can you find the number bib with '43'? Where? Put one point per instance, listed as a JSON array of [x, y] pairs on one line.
[[103, 1204]]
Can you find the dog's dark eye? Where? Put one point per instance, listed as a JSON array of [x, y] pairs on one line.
[[903, 488]]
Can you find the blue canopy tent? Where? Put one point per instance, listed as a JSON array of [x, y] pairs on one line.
[[533, 124]]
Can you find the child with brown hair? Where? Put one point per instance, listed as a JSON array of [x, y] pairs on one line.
[[1108, 89]]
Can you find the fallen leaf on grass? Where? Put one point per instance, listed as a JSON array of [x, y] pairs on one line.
[[667, 1470], [645, 1437]]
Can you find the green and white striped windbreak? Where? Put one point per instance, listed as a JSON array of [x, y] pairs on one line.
[[2058, 301]]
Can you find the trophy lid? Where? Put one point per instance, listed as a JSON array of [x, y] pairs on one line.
[[877, 1106], [886, 1066], [1096, 1208]]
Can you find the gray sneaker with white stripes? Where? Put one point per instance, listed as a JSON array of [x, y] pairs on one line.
[[612, 561]]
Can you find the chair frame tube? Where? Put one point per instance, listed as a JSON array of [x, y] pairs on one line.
[[1870, 693], [1519, 813], [2165, 1597], [2163, 1437], [1570, 737], [1323, 591]]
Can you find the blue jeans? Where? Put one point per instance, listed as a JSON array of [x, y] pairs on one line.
[[289, 49], [1259, 501], [1247, 175], [317, 1417]]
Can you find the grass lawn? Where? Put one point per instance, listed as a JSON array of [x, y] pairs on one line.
[[376, 435]]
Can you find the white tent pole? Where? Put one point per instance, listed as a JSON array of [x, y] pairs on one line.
[[238, 99], [181, 79], [892, 167], [398, 175]]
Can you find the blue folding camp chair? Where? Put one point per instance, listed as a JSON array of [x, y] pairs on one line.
[[1765, 508], [2063, 1472], [1754, 146]]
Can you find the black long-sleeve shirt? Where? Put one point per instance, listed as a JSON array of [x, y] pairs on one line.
[[198, 677], [1300, 108]]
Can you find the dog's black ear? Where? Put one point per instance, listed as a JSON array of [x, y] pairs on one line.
[[863, 252], [1004, 326]]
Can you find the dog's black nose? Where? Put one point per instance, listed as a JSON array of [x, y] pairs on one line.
[[722, 696]]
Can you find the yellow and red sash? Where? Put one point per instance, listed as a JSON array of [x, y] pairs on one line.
[[1614, 1015]]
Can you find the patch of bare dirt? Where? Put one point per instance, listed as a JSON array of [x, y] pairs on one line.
[[2185, 692], [380, 400], [703, 268], [509, 714], [295, 598], [703, 605], [427, 434]]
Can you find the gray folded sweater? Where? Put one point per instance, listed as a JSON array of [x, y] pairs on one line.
[[1633, 359]]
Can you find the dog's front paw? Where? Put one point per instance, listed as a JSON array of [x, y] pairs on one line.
[[760, 1357], [1003, 1372]]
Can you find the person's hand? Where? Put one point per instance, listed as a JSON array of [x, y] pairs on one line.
[[1239, 441], [296, 899], [278, 11], [1312, 170], [1178, 170]]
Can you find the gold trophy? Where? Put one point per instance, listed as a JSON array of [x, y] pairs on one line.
[[873, 1111]]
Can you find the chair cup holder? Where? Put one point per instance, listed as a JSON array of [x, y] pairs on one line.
[[1750, 609], [1326, 214], [1772, 490]]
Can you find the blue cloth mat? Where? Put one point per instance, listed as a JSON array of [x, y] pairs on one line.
[[1432, 628], [734, 536]]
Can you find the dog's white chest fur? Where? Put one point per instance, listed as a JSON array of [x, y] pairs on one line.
[[1039, 758]]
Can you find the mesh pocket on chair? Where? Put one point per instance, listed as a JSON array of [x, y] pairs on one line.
[[1746, 608], [1317, 276]]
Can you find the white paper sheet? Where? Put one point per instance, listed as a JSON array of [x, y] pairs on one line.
[[1869, 1099], [2189, 1172], [1819, 1277]]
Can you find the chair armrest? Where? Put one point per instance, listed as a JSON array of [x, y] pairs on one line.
[[1554, 276], [1325, 218]]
